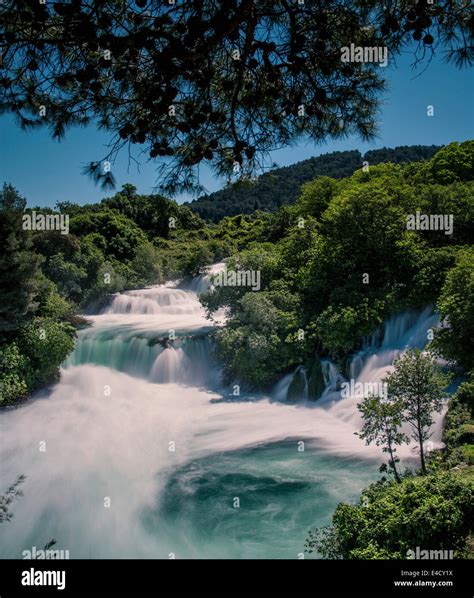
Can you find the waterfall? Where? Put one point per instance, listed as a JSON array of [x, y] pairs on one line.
[[280, 391], [140, 419], [331, 374], [370, 364], [190, 358], [375, 361], [169, 365], [155, 300], [406, 330], [203, 282]]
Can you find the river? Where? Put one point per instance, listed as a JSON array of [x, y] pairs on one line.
[[140, 452]]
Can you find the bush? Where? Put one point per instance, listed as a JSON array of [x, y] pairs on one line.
[[430, 512], [50, 303], [46, 343], [13, 365]]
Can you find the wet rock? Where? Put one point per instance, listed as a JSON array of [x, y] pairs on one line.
[[297, 387], [316, 383]]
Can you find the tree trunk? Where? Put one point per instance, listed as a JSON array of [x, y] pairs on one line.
[[393, 465], [395, 472], [422, 454]]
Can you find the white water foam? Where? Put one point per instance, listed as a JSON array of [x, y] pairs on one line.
[[119, 435]]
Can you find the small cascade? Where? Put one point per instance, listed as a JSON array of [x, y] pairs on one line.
[[185, 360], [305, 378], [298, 387], [202, 283], [331, 374], [170, 366], [403, 331], [375, 361], [280, 391], [188, 361], [356, 364], [126, 352], [155, 300]]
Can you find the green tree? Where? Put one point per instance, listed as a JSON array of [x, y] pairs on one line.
[[382, 423], [107, 281], [419, 385], [338, 328], [18, 263], [198, 257], [458, 426], [67, 275], [465, 393], [13, 367], [454, 339], [146, 265], [453, 163], [46, 343], [154, 214], [260, 345], [316, 195], [122, 236]]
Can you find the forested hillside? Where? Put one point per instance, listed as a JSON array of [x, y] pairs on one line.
[[281, 186], [341, 259]]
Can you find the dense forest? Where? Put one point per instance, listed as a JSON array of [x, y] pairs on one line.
[[281, 186], [341, 259]]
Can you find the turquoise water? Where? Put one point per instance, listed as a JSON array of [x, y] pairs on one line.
[[281, 493]]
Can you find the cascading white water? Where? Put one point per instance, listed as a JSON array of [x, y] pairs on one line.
[[332, 377], [138, 452], [375, 361], [159, 333], [203, 282], [156, 300]]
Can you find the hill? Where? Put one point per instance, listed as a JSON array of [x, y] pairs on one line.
[[281, 185]]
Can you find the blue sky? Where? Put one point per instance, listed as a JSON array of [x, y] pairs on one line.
[[45, 171]]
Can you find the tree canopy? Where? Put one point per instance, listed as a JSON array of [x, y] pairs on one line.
[[203, 80], [392, 519], [341, 259]]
